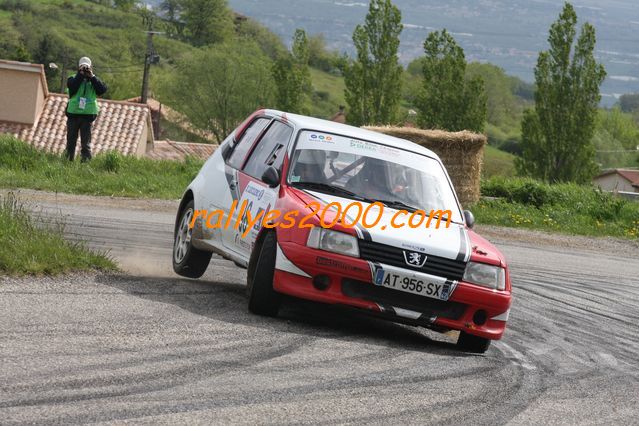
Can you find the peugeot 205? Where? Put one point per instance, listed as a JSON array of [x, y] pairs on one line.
[[336, 214]]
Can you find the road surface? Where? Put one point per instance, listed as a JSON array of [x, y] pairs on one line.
[[147, 346]]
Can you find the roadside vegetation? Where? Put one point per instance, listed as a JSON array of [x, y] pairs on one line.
[[111, 174], [27, 249], [566, 207]]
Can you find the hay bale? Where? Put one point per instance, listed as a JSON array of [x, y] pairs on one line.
[[461, 152]]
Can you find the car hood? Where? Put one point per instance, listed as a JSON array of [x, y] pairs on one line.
[[452, 242]]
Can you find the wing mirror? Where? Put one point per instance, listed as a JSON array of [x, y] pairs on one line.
[[271, 177], [227, 148], [470, 218]]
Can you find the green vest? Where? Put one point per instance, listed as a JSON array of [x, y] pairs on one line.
[[84, 101]]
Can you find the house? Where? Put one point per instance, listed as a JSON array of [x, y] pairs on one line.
[[619, 180], [31, 113]]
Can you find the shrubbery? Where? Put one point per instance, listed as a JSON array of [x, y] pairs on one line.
[[573, 208]]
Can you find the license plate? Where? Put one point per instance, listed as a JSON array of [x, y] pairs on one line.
[[412, 282]]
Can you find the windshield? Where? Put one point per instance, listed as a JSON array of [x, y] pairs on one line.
[[364, 170]]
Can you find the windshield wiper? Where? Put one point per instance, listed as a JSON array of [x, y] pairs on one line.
[[325, 187], [399, 204]]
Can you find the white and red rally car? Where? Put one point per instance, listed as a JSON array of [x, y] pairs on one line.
[[443, 278]]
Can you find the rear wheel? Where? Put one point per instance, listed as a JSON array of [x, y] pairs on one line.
[[470, 343], [187, 260], [263, 300]]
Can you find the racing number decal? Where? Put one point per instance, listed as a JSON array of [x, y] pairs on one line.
[[258, 203]]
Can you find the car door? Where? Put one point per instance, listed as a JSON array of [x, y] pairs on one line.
[[256, 196], [221, 188]]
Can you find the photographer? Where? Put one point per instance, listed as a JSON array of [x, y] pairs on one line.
[[84, 88]]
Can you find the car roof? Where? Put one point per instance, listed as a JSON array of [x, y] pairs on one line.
[[317, 124]]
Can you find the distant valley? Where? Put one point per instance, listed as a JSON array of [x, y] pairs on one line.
[[507, 33]]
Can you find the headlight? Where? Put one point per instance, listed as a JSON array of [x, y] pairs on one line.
[[337, 242], [485, 275]]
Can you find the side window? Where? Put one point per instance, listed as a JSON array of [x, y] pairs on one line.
[[270, 150], [244, 145]]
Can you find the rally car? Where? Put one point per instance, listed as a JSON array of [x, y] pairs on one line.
[[308, 171]]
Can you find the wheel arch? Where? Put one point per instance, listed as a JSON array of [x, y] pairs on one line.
[[256, 248], [186, 198]]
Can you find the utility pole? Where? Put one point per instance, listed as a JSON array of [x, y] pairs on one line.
[[149, 58]]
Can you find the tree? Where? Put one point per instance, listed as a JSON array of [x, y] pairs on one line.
[[124, 5], [172, 10], [50, 49], [557, 134], [503, 107], [373, 81], [270, 43], [219, 86], [207, 21], [629, 102], [292, 76], [448, 99]]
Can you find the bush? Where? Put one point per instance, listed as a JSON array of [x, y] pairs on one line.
[[578, 209], [16, 5], [110, 161]]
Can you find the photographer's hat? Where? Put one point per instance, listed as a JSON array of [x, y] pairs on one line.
[[84, 61]]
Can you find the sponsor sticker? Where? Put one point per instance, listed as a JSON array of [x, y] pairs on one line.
[[445, 291], [413, 247], [324, 261], [313, 137]]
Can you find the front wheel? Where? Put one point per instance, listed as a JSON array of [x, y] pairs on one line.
[[471, 343], [187, 260], [263, 300]]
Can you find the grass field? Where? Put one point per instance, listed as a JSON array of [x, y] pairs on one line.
[[566, 208], [329, 94], [497, 163], [22, 166], [27, 249]]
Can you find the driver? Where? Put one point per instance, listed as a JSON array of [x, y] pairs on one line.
[[310, 165], [370, 181]]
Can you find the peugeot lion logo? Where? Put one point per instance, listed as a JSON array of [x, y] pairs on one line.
[[414, 258]]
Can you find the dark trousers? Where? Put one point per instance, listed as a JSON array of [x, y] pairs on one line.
[[79, 124]]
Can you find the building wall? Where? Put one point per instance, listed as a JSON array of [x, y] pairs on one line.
[[142, 142], [21, 95], [613, 182]]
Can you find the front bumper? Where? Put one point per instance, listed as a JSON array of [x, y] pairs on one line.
[[476, 310]]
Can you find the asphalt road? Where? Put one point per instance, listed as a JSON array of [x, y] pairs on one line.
[[149, 347]]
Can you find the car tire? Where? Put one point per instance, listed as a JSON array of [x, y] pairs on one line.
[[188, 261], [474, 344], [262, 299]]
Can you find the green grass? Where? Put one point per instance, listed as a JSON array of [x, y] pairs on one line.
[[27, 249], [497, 163], [22, 166], [566, 208], [328, 96]]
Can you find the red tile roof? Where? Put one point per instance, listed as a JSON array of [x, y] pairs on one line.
[[119, 127], [169, 150], [631, 176], [19, 130]]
